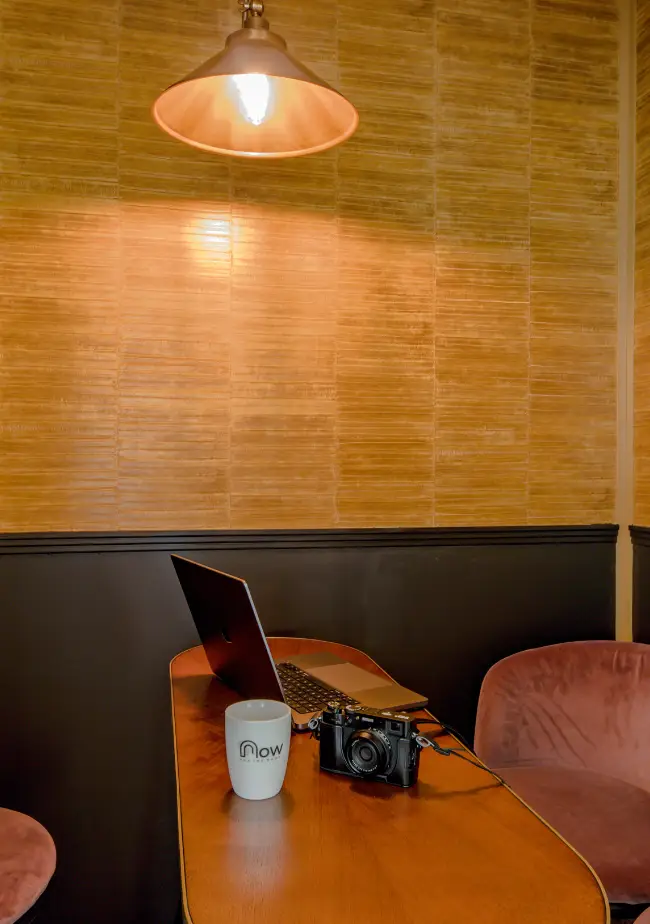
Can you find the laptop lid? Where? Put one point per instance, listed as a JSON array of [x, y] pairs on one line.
[[225, 618]]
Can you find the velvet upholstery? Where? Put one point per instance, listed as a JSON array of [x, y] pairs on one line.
[[568, 727], [591, 809], [27, 861]]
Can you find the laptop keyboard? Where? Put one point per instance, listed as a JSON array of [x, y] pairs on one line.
[[305, 694]]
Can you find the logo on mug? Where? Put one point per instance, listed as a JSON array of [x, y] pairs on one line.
[[248, 750]]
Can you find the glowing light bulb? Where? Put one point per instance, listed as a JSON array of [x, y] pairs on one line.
[[254, 92]]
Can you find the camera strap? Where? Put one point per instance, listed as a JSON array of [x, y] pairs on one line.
[[429, 741]]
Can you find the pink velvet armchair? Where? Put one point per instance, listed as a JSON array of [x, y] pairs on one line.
[[568, 727], [27, 861]]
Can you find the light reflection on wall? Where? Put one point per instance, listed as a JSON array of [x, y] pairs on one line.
[[199, 365], [208, 238]]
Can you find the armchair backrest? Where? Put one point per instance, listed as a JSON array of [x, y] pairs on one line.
[[577, 705]]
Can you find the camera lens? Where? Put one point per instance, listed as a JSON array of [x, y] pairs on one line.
[[368, 752]]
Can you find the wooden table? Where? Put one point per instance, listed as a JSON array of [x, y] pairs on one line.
[[457, 847]]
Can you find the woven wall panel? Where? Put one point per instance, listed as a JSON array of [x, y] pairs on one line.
[[574, 130], [642, 273], [417, 328]]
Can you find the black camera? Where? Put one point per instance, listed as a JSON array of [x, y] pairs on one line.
[[368, 743]]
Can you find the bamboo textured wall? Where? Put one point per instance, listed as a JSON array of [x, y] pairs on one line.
[[417, 328], [642, 274]]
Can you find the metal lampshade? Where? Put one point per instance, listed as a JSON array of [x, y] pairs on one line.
[[254, 99]]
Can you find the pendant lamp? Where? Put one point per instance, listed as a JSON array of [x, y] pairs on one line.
[[254, 99]]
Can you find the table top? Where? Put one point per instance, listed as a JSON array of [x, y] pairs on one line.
[[455, 847]]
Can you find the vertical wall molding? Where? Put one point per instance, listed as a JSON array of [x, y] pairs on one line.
[[641, 270], [625, 354]]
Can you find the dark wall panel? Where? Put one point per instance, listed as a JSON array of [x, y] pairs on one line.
[[641, 593], [89, 624]]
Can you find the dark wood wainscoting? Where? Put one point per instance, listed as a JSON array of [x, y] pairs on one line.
[[90, 622], [641, 592]]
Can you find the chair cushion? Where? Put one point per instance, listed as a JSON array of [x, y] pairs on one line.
[[605, 819], [27, 861]]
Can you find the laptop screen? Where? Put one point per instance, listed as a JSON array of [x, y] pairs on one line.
[[225, 618]]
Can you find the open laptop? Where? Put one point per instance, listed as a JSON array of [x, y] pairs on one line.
[[224, 614]]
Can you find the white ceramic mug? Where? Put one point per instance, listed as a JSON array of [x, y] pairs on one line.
[[258, 734]]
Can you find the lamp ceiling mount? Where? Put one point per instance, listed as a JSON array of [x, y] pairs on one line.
[[251, 9]]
